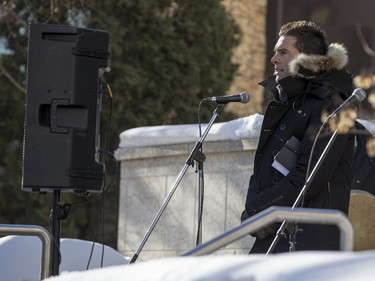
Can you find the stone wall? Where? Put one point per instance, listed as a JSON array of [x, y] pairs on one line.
[[149, 173]]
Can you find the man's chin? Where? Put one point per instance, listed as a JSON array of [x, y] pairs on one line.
[[280, 77]]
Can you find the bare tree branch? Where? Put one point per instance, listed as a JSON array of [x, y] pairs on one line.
[[363, 41], [4, 71]]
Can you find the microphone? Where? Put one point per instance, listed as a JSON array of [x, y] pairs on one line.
[[358, 95], [242, 97]]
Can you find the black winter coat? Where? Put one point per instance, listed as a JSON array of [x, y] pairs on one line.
[[301, 117]]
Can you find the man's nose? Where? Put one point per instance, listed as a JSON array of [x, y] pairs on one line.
[[274, 59]]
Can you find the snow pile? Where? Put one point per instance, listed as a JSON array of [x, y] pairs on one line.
[[241, 128], [297, 266], [238, 129], [20, 257]]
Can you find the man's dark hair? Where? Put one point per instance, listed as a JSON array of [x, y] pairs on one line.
[[311, 38]]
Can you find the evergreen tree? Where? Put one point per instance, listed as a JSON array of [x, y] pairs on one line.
[[166, 56]]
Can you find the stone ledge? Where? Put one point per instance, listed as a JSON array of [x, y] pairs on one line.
[[184, 148]]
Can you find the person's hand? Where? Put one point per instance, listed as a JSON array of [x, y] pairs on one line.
[[244, 215], [265, 232]]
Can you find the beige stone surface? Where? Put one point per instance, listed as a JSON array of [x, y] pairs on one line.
[[147, 177], [250, 55]]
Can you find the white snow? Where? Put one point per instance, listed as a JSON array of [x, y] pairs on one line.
[[241, 128], [20, 258], [297, 266]]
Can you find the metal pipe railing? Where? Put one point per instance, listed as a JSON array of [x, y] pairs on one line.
[[277, 214], [42, 234]]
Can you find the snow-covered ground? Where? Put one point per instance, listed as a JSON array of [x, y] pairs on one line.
[[20, 258], [297, 266]]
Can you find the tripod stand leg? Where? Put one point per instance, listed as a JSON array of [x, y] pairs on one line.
[[55, 231]]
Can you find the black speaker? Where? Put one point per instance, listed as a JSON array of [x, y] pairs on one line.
[[63, 104]]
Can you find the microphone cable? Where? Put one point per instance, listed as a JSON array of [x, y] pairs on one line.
[[108, 158], [335, 131], [201, 191], [106, 153]]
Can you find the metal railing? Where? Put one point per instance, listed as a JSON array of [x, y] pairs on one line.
[[278, 214], [42, 234]]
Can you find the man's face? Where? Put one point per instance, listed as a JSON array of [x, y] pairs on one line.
[[285, 51]]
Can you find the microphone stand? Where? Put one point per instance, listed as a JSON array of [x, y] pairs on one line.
[[194, 155], [280, 231]]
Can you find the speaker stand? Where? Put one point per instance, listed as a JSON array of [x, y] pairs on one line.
[[58, 213]]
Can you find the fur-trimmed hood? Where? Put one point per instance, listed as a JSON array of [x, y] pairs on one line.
[[308, 66], [315, 72]]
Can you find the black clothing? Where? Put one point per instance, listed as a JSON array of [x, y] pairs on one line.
[[301, 117]]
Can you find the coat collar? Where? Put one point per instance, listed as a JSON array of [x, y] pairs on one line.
[[292, 86]]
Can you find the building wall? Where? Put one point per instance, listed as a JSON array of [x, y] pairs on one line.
[[250, 55], [346, 21]]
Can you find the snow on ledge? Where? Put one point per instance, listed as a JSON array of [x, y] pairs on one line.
[[238, 129]]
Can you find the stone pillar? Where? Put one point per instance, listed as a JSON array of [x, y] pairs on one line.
[[149, 173]]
